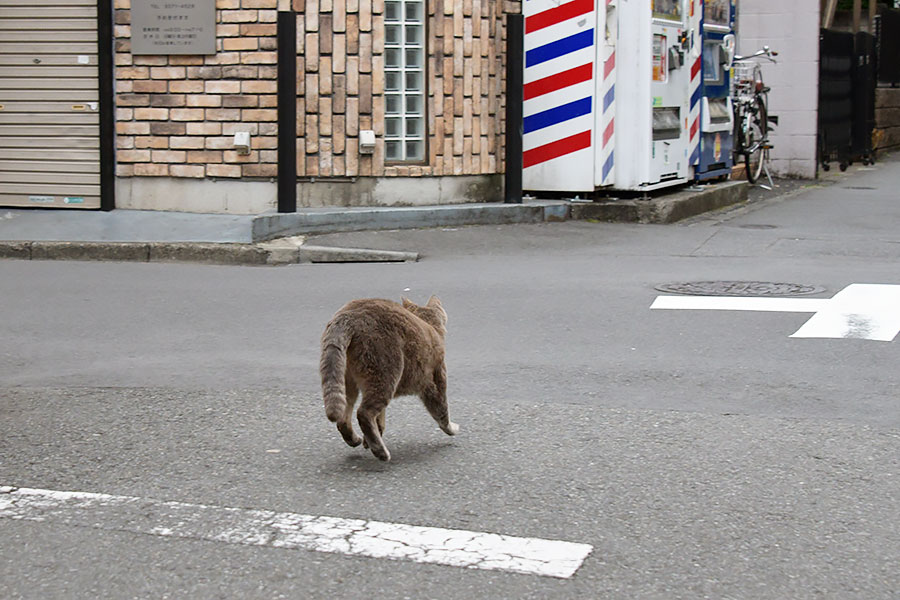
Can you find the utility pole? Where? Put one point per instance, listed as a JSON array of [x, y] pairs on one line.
[[828, 13]]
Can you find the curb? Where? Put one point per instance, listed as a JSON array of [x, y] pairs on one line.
[[203, 253], [273, 246], [268, 227], [664, 209], [200, 252], [324, 254]]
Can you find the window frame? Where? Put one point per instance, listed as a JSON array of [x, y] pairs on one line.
[[397, 66]]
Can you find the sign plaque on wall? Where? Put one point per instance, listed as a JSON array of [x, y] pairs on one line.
[[173, 26]]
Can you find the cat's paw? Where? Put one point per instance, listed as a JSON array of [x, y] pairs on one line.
[[451, 429], [381, 453], [350, 436]]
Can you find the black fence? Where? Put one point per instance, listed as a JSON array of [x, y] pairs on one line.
[[864, 83], [888, 31], [847, 79]]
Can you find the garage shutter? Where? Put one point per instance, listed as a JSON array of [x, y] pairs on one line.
[[49, 119]]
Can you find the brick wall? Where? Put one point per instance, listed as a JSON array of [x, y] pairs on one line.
[[887, 118], [177, 115]]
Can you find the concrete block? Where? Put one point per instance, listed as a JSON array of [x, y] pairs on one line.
[[664, 208], [690, 203], [619, 211], [886, 97], [196, 195], [210, 253], [20, 250], [324, 254], [114, 251]]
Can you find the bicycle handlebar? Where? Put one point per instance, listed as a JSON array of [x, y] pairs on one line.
[[765, 52]]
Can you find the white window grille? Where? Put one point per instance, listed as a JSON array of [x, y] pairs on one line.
[[404, 80]]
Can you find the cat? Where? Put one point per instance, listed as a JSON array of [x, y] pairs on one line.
[[383, 349]]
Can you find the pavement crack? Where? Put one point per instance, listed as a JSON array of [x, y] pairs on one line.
[[704, 243]]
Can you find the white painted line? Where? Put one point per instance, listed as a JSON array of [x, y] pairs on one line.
[[859, 311], [453, 547], [739, 303]]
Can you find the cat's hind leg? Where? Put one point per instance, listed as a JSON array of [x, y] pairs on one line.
[[381, 426], [370, 418], [345, 423], [434, 397]]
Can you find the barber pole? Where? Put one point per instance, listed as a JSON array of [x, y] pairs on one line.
[[559, 108], [696, 58]]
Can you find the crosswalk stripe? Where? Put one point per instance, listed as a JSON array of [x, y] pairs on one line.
[[251, 527]]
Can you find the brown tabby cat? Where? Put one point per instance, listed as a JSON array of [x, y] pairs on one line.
[[385, 350]]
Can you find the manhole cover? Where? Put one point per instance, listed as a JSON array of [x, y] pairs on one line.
[[739, 288]]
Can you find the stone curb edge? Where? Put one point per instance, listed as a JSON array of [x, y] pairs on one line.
[[661, 210], [199, 252], [664, 209]]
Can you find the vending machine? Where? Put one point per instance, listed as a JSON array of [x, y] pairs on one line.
[[608, 86], [714, 159]]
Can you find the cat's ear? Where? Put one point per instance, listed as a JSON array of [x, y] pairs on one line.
[[408, 304], [434, 302]]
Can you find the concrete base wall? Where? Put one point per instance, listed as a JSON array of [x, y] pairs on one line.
[[399, 191], [196, 195], [258, 197]]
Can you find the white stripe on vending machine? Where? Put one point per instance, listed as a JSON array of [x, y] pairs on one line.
[[607, 97]]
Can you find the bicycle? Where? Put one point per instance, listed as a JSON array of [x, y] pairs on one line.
[[751, 114]]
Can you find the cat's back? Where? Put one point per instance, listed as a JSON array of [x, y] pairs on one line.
[[373, 315]]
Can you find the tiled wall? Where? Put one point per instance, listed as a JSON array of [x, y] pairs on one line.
[[177, 115], [791, 28]]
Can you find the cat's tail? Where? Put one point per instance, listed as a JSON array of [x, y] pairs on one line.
[[332, 368]]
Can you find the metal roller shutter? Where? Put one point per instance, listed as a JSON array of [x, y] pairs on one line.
[[49, 119]]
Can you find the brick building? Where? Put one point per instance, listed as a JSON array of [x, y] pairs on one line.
[[424, 76]]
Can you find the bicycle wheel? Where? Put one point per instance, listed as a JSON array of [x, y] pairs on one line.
[[755, 152]]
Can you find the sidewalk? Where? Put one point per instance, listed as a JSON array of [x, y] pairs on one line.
[[278, 238]]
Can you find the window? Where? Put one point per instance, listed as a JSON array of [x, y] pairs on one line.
[[404, 80], [667, 9]]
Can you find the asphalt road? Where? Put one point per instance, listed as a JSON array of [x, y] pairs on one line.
[[703, 454]]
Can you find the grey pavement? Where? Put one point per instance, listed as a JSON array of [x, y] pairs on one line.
[[701, 454], [150, 236]]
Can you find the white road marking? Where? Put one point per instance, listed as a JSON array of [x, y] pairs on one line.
[[453, 547], [738, 303], [859, 311]]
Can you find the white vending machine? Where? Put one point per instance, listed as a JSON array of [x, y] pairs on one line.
[[608, 94]]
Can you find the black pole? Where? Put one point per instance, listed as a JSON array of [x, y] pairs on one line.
[[287, 111], [515, 50], [106, 104]]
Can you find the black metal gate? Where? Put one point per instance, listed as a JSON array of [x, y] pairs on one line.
[[847, 79], [864, 82], [835, 97], [889, 47]]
